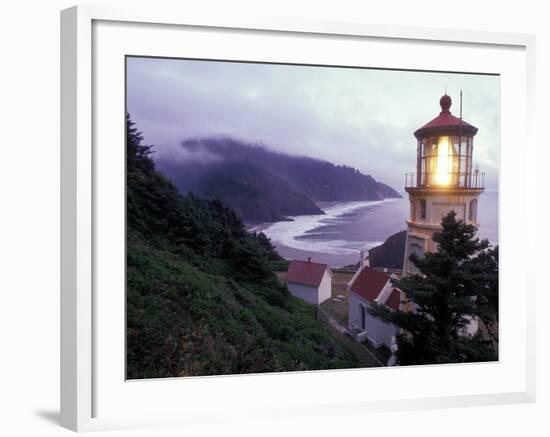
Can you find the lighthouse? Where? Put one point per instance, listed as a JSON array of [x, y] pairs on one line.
[[445, 180]]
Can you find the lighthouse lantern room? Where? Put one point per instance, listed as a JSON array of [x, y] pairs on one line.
[[444, 180]]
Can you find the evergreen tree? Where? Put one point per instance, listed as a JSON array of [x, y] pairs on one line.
[[456, 283], [138, 154]]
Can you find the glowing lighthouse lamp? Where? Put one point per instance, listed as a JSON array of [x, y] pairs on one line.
[[444, 179], [445, 162]]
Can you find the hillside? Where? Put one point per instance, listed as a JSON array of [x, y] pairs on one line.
[[276, 184], [201, 296], [391, 253], [255, 194]]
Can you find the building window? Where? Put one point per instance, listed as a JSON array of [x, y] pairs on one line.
[[418, 250], [423, 208], [472, 215]]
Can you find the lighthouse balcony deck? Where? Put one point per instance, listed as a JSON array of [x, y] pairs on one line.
[[471, 181]]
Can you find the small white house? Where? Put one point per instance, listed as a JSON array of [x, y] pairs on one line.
[[367, 287], [309, 281]]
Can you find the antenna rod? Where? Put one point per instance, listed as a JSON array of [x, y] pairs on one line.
[[461, 108], [460, 123], [460, 143]]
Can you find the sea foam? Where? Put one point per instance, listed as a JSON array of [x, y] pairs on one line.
[[300, 232]]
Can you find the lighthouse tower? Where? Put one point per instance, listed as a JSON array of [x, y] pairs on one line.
[[444, 180]]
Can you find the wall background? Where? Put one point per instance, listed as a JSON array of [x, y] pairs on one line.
[[29, 214]]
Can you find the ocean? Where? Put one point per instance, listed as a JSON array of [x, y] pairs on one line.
[[337, 237]]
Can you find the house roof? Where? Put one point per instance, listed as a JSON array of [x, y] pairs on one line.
[[394, 299], [369, 283], [306, 273]]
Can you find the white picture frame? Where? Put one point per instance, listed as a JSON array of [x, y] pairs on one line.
[[84, 371]]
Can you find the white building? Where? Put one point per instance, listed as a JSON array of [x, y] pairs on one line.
[[309, 281], [366, 288]]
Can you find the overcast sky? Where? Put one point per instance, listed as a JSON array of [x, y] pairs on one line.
[[358, 117]]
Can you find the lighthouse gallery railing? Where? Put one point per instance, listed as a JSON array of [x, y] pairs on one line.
[[472, 180]]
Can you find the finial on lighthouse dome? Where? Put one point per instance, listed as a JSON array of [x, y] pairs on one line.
[[445, 103]]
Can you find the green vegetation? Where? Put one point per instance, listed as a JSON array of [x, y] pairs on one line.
[[202, 298], [457, 283]]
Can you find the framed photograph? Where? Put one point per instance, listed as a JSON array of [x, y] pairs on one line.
[[269, 218]]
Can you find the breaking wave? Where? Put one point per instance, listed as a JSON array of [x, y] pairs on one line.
[[312, 233]]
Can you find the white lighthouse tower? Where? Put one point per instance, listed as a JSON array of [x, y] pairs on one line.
[[445, 180]]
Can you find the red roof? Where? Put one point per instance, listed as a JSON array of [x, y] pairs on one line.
[[369, 283], [306, 273], [394, 301], [445, 118], [446, 122]]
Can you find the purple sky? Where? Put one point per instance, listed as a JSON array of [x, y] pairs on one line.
[[358, 117]]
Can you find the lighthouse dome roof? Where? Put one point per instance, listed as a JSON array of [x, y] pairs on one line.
[[446, 123]]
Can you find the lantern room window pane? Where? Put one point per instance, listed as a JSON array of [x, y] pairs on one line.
[[444, 161]]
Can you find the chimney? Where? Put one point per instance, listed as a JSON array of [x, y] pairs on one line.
[[308, 259], [361, 259]]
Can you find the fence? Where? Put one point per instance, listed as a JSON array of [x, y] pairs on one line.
[[353, 270], [363, 354]]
